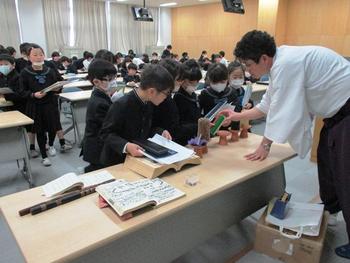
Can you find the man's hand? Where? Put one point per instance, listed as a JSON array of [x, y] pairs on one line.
[[229, 115], [260, 153], [39, 95]]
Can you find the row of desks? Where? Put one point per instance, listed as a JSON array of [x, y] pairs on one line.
[[230, 188]]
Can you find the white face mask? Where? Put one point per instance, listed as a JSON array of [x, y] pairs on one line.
[[219, 87], [38, 63], [190, 89], [111, 85], [236, 83]]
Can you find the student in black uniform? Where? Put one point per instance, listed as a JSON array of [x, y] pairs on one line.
[[23, 61], [124, 66], [41, 107], [79, 62], [132, 77], [100, 73], [218, 91], [56, 59], [186, 98], [68, 65], [130, 117], [12, 51], [106, 55], [236, 80], [184, 57], [10, 78]]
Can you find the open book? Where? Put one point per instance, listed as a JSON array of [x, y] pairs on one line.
[[56, 86], [125, 197], [71, 181]]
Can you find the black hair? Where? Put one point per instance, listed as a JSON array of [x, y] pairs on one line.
[[24, 47], [89, 55], [132, 66], [118, 54], [157, 77], [217, 72], [214, 56], [141, 66], [204, 52], [74, 58], [155, 54], [126, 60], [4, 51], [7, 58], [131, 52], [55, 54], [184, 54], [222, 53], [145, 58], [34, 46], [65, 59], [85, 53], [191, 71], [169, 47], [99, 69], [106, 55], [172, 66], [233, 66], [12, 50], [254, 44]]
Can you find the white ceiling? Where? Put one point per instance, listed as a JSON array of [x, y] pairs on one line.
[[156, 3]]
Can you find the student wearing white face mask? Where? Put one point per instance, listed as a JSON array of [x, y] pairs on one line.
[[101, 74], [236, 80], [186, 98], [218, 91], [10, 78]]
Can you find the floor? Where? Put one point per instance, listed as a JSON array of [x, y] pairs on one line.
[[301, 177]]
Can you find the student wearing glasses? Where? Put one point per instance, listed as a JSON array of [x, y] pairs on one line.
[[130, 117]]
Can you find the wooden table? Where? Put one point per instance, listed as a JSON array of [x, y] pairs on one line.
[[13, 140], [5, 103], [230, 188], [78, 104]]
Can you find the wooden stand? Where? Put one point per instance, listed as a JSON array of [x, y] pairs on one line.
[[149, 169], [234, 136], [244, 129], [223, 137]]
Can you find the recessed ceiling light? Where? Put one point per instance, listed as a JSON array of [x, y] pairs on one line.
[[168, 4]]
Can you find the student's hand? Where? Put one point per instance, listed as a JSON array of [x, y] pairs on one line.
[[248, 106], [134, 149], [260, 154], [39, 95], [167, 135]]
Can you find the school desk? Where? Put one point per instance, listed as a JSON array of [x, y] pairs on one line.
[[13, 140], [72, 76], [230, 188], [78, 103], [82, 84]]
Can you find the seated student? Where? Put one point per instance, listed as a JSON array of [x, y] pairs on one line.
[[223, 59], [130, 117], [186, 99], [203, 55], [184, 57], [41, 107], [155, 58], [10, 78], [236, 80], [56, 59], [68, 65], [88, 58], [100, 73], [215, 58], [124, 66], [132, 77], [106, 55], [218, 91]]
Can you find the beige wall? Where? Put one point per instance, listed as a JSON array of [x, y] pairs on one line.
[[292, 22], [208, 27]]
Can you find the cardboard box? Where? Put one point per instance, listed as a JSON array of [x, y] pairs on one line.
[[307, 249]]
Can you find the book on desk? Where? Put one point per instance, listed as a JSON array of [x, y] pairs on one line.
[[126, 197]]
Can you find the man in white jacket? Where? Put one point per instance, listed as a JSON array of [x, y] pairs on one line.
[[305, 81]]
